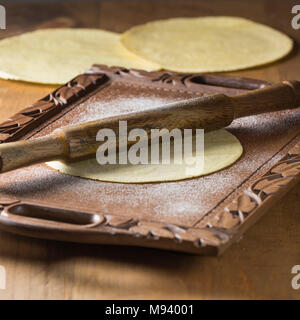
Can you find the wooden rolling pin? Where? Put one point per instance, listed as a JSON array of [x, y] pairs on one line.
[[209, 113]]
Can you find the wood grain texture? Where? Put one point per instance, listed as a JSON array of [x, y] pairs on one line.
[[259, 266], [78, 142], [210, 235]]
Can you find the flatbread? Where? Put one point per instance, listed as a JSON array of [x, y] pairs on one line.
[[55, 56], [221, 149], [207, 44]]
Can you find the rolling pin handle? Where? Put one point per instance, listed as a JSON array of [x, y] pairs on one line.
[[281, 96], [14, 155]]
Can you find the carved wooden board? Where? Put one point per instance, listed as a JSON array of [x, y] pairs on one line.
[[202, 216]]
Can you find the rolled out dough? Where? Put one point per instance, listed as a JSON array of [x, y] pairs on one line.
[[221, 149], [207, 44], [56, 56]]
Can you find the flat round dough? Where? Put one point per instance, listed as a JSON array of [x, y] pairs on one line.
[[55, 56], [207, 44], [221, 149]]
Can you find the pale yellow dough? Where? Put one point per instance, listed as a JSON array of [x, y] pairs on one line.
[[55, 56], [221, 149], [207, 44]]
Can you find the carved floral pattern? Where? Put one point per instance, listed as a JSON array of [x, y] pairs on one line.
[[30, 117], [214, 230], [263, 189]]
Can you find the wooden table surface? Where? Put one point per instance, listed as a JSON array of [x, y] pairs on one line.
[[257, 267]]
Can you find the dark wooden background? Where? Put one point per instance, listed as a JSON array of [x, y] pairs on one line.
[[258, 266]]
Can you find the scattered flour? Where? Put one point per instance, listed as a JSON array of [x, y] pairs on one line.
[[97, 110], [176, 202]]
